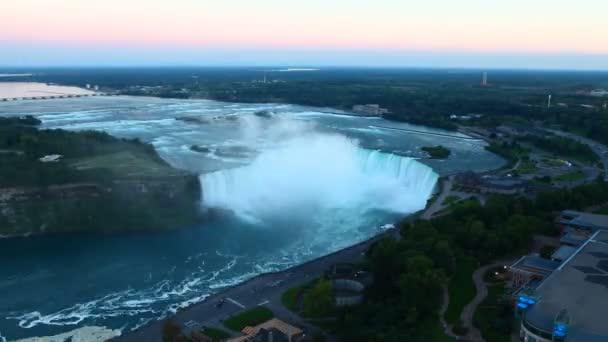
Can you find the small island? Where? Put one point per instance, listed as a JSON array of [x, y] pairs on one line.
[[437, 152]]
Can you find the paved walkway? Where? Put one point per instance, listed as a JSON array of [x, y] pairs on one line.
[[468, 312], [437, 205], [447, 329]]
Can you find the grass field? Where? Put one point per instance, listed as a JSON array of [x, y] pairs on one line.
[[250, 317], [527, 167], [125, 164], [461, 289], [570, 177]]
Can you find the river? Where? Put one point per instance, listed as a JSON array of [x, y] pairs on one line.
[[295, 183]]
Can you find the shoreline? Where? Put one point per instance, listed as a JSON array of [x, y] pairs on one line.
[[286, 278], [278, 282]]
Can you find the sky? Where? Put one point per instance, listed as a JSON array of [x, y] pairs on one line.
[[561, 34]]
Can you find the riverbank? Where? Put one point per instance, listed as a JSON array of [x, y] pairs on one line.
[[265, 289]]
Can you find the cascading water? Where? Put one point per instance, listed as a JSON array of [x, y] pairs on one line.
[[317, 172]]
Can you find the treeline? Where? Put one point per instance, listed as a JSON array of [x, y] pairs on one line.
[[409, 273], [27, 120], [419, 96]]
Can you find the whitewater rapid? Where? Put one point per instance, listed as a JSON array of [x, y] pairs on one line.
[[318, 172]]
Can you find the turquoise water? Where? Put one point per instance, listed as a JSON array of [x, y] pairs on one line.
[[294, 185]]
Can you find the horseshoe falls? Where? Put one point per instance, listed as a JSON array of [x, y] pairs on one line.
[[320, 172]]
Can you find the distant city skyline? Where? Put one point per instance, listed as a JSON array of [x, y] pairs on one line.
[[556, 34]]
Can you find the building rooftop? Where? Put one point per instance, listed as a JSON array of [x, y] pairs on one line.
[[563, 252], [584, 220], [579, 285], [535, 265], [504, 182], [574, 237], [276, 325]]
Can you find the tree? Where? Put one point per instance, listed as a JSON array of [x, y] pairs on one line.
[[319, 301]]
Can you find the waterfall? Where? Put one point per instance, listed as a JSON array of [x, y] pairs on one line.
[[320, 172]]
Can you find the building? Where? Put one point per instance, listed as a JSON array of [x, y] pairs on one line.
[[572, 221], [273, 330], [370, 109], [472, 182], [571, 303], [531, 269], [348, 284], [484, 79]]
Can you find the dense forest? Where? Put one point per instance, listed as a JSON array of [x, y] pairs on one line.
[[409, 273]]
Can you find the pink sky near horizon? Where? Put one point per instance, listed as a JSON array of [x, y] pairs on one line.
[[538, 26]]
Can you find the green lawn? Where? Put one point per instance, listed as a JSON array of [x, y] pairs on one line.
[[490, 317], [216, 335], [527, 167], [249, 317], [126, 164], [461, 289], [570, 177], [553, 162]]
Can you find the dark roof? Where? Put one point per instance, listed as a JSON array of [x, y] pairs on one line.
[[505, 183], [579, 285], [574, 237], [536, 265], [582, 219], [264, 335], [563, 252]]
